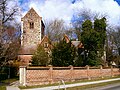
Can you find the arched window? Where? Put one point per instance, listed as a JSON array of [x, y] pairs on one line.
[[31, 25]]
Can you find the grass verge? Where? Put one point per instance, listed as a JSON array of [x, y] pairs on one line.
[[92, 85], [79, 81], [2, 88], [6, 82]]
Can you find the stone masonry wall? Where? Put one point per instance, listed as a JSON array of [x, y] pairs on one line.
[[31, 36]]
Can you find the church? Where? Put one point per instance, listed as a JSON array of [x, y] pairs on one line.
[[32, 34]]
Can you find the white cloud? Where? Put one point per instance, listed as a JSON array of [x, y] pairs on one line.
[[51, 9], [109, 7], [64, 9]]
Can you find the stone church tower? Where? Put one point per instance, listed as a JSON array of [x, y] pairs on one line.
[[32, 32]]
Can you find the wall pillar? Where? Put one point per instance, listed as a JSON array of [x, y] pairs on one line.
[[51, 74], [88, 75], [101, 68], [71, 73], [112, 75], [22, 76]]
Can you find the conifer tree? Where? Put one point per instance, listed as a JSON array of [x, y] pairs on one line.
[[93, 37], [40, 57], [63, 54]]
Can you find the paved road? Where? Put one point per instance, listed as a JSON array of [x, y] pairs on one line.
[[12, 88], [107, 87], [112, 87]]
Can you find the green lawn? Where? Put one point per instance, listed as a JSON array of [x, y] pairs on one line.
[[2, 88], [6, 82]]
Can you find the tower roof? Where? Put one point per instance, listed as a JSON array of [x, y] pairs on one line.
[[32, 10]]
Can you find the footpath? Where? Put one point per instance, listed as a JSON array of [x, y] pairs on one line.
[[63, 86]]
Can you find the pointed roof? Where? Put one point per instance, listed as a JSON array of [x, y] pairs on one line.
[[80, 45], [32, 10], [75, 43], [66, 38], [46, 39]]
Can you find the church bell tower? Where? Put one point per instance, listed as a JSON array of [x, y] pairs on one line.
[[32, 31]]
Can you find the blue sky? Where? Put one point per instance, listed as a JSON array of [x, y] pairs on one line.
[[66, 9], [118, 1]]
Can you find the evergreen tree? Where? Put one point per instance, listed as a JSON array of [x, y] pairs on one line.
[[100, 27], [93, 39], [63, 54], [40, 57]]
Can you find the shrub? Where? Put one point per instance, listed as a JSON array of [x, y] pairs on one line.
[[3, 76]]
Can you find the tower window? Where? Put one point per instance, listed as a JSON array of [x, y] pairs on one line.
[[31, 25], [45, 45]]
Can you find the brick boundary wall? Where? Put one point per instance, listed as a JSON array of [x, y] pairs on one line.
[[48, 75]]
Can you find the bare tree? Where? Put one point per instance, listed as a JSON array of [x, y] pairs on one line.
[[9, 35], [7, 12], [9, 46], [113, 44], [116, 36], [55, 29]]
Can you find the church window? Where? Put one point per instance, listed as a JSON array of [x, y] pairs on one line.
[[31, 25], [45, 45]]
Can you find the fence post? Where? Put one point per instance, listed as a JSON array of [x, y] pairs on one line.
[[71, 72], [22, 76], [112, 75], [88, 76], [51, 74], [101, 68]]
